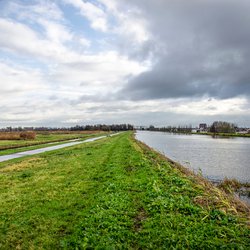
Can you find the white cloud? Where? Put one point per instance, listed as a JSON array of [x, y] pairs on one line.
[[58, 75], [18, 81], [37, 9], [55, 32], [117, 18], [96, 74], [211, 106], [20, 39], [93, 13]]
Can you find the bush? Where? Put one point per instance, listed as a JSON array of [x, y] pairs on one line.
[[28, 135]]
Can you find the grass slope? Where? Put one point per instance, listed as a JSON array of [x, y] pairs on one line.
[[110, 194]]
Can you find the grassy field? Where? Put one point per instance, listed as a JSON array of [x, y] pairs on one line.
[[114, 193], [45, 137]]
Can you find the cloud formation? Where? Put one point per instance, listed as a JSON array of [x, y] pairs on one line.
[[204, 50], [141, 61]]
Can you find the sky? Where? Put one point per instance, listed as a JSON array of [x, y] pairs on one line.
[[159, 62]]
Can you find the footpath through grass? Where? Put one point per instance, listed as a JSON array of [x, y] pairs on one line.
[[112, 194]]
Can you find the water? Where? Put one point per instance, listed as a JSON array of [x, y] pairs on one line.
[[217, 158]]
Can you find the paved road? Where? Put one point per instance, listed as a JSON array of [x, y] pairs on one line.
[[42, 150]]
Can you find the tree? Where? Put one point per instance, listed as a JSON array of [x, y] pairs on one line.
[[222, 127]]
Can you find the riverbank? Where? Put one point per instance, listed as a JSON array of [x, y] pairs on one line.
[[204, 133], [223, 134], [114, 193]]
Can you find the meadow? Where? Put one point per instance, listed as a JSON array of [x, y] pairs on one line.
[[115, 193]]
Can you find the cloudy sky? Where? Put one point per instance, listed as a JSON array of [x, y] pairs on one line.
[[161, 62]]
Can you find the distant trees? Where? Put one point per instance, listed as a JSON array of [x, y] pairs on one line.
[[216, 127], [222, 127], [103, 127], [173, 129]]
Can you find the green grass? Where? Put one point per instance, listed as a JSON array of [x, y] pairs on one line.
[[110, 194]]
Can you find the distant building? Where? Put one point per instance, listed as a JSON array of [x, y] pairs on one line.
[[141, 127], [202, 126]]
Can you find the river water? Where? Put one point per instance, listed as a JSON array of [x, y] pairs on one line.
[[216, 158]]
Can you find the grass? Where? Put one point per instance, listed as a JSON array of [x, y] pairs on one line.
[[44, 138], [114, 193]]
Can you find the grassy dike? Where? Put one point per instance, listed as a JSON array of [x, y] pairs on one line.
[[114, 193]]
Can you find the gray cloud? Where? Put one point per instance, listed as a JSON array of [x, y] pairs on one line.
[[90, 99], [204, 49]]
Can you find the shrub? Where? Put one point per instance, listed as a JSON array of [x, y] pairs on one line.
[[28, 135]]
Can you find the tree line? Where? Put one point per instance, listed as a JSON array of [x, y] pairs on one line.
[[172, 129], [102, 127], [216, 127]]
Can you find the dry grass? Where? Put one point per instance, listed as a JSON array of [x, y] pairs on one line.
[[26, 135], [31, 135], [9, 136], [69, 132], [230, 185]]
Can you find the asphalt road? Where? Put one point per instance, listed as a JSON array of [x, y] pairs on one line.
[[42, 150]]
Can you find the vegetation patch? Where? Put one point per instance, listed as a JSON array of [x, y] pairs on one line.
[[20, 166], [232, 186], [115, 193]]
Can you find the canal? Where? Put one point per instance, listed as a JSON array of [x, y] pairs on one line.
[[215, 157]]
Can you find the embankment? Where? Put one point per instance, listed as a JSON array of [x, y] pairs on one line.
[[114, 193]]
